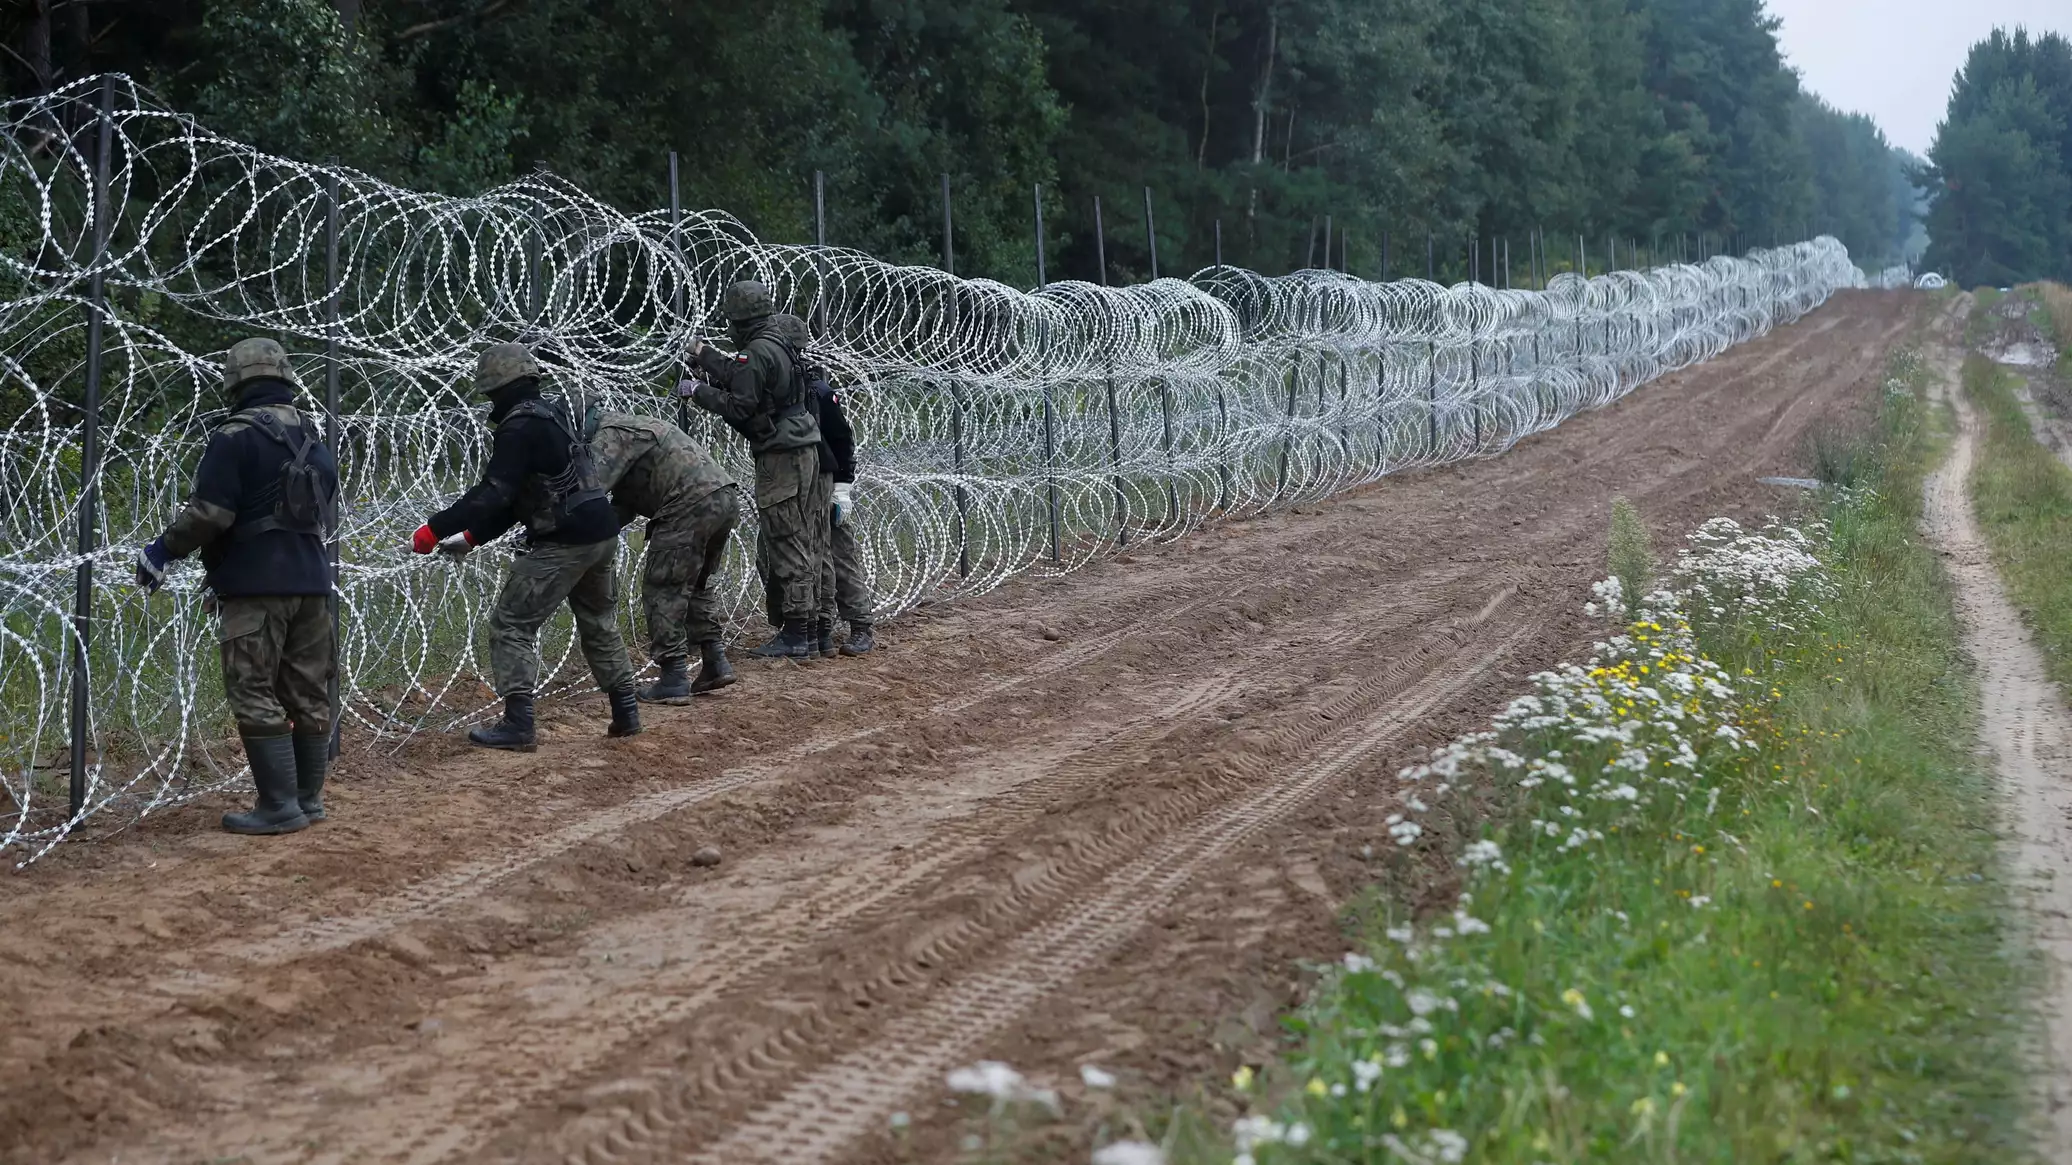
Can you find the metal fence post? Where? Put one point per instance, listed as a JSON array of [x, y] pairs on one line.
[[331, 433], [1219, 242], [1050, 431], [819, 242], [1100, 245], [683, 406], [1151, 234], [1384, 256], [90, 454], [949, 266], [1122, 505], [535, 292], [1431, 268], [1432, 397]]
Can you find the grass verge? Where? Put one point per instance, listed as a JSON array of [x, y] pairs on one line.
[[1731, 891], [2023, 496]]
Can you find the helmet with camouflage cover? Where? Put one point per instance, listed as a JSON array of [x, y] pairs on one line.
[[500, 364], [747, 300], [253, 359]]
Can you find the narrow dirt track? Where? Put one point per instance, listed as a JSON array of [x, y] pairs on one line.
[[2024, 726], [1092, 819]]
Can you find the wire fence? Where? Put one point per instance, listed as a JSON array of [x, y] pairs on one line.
[[1001, 431]]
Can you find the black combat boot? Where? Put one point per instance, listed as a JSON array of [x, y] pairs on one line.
[[673, 685], [273, 774], [625, 715], [824, 637], [795, 642], [714, 672], [859, 641], [312, 762], [514, 731]]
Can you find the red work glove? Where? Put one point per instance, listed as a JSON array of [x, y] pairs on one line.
[[424, 541]]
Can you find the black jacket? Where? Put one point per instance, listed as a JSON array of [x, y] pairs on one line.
[[835, 432], [237, 483], [523, 447]]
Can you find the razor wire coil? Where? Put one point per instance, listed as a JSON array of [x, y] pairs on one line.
[[1000, 431]]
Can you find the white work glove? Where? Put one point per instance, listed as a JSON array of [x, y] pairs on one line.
[[456, 546], [845, 498]]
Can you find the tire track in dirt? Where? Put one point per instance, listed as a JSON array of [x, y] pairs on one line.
[[454, 887], [1141, 859], [732, 971], [816, 1118]]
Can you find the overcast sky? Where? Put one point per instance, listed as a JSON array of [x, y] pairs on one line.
[[1894, 59]]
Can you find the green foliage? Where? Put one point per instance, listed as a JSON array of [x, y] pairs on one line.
[[283, 76], [1631, 557], [1819, 965], [1645, 121], [2002, 174]]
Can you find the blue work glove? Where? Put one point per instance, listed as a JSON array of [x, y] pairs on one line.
[[151, 564]]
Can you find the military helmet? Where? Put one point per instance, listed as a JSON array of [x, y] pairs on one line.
[[747, 300], [500, 364], [253, 359]]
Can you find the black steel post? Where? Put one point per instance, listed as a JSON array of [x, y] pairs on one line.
[[1122, 506], [1431, 266], [1100, 244], [949, 266], [819, 241], [90, 454], [683, 406], [1327, 242], [1151, 233], [1219, 242], [1384, 256], [1050, 429], [331, 433], [1432, 397]]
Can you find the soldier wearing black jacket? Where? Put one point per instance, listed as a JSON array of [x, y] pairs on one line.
[[540, 473], [263, 509], [844, 591]]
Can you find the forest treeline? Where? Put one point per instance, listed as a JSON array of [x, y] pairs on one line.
[[2002, 165], [1665, 127]]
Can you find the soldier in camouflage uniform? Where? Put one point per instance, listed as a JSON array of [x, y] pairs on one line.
[[761, 393], [541, 472], [843, 589], [262, 512], [656, 472]]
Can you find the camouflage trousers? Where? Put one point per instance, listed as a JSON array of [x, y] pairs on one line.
[[547, 574], [844, 592], [277, 663], [791, 500], [683, 552]]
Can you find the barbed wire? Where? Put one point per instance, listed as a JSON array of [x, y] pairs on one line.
[[1001, 431]]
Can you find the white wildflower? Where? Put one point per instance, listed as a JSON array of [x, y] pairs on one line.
[[1094, 1077], [1129, 1153]]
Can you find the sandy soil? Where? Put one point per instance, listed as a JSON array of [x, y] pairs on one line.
[[1098, 819], [2024, 725]]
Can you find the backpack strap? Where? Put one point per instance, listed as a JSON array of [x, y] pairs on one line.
[[265, 423]]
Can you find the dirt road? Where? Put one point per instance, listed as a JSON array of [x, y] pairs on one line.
[[2024, 725], [1092, 819]]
